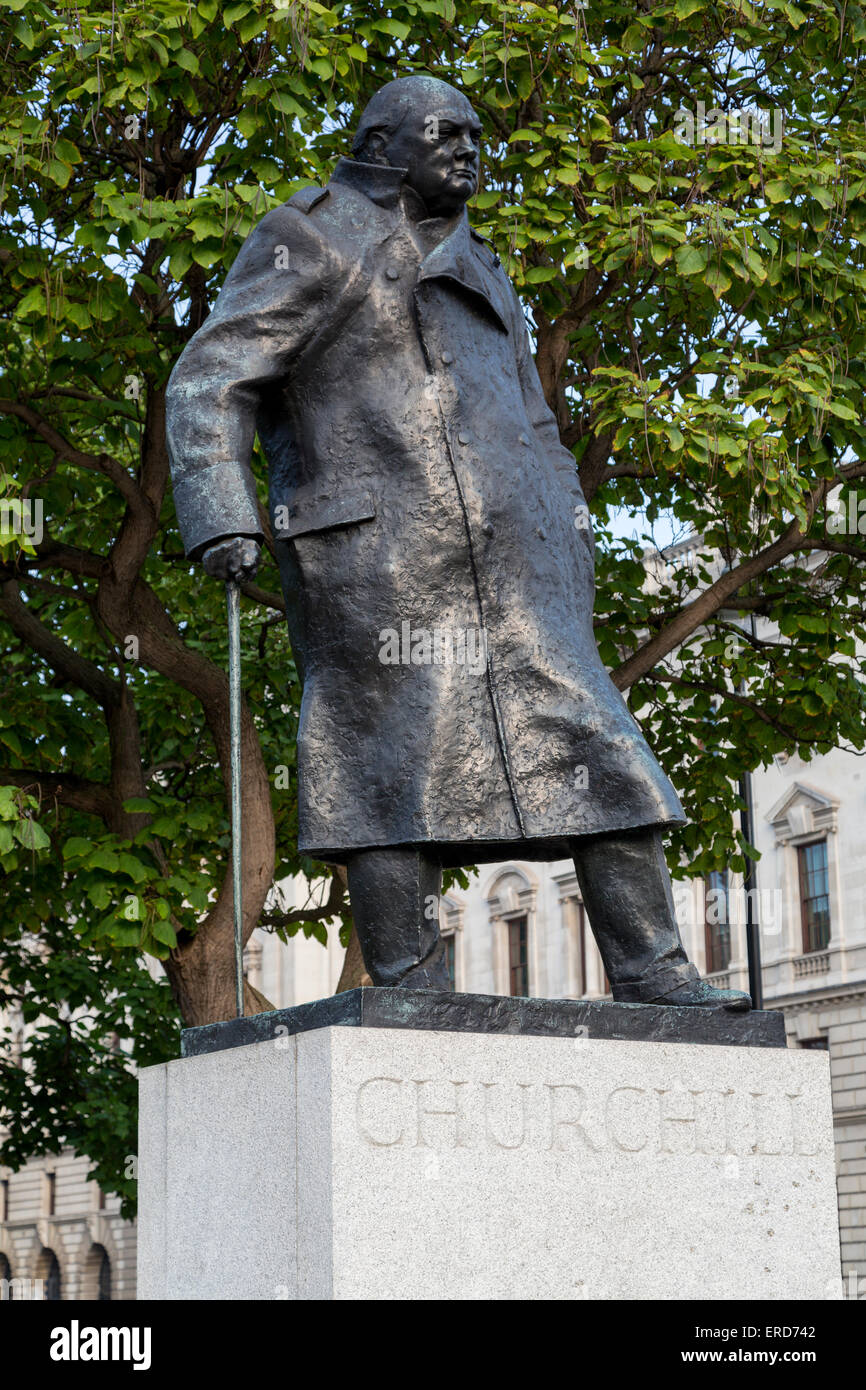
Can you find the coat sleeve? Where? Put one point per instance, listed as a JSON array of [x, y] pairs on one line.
[[279, 294]]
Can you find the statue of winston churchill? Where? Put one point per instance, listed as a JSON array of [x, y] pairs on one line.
[[439, 591]]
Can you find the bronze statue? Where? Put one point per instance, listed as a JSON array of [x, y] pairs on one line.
[[435, 555]]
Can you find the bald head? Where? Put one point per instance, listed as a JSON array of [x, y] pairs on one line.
[[428, 128]]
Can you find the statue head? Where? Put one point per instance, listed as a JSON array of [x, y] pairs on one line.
[[428, 128]]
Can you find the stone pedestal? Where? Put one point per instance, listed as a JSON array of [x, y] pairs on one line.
[[404, 1162]]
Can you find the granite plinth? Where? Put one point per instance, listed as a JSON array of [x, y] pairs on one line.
[[430, 1010], [406, 1164]]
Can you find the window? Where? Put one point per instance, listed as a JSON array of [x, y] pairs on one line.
[[50, 1193], [717, 921], [450, 943], [518, 957], [96, 1276], [814, 896], [48, 1270], [105, 1278], [816, 1044], [5, 1279], [581, 944], [4, 1200]]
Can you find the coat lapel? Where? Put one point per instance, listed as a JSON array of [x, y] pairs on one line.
[[456, 259]]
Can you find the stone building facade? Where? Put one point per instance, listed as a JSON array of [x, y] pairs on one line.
[[60, 1237]]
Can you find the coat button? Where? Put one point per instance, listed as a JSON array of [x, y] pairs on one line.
[[541, 533], [523, 439], [392, 273], [463, 437], [447, 357], [487, 529]]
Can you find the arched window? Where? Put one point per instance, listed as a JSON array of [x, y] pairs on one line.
[[96, 1276], [450, 924], [5, 1278], [105, 1278], [48, 1270], [511, 903]]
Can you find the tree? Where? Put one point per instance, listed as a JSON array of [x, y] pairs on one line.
[[694, 300]]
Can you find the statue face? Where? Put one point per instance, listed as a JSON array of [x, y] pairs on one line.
[[441, 148]]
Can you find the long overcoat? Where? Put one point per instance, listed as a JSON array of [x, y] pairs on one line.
[[431, 532]]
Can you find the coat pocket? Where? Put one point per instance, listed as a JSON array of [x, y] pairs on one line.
[[304, 518]]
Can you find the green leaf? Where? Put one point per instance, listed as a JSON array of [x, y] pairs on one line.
[[31, 835], [77, 848], [9, 736], [842, 412], [778, 190], [79, 315], [207, 256], [186, 60], [540, 274], [796, 16], [67, 152], [59, 172], [716, 280], [691, 260], [32, 302], [128, 864], [164, 932], [254, 24], [754, 263], [104, 858], [282, 101], [100, 894], [396, 27]]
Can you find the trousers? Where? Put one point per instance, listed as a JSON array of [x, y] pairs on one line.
[[626, 889]]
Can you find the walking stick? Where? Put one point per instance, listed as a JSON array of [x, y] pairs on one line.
[[233, 594]]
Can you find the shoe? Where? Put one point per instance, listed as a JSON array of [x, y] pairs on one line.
[[698, 994]]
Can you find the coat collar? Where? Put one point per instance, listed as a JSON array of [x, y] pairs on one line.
[[381, 183], [456, 257]]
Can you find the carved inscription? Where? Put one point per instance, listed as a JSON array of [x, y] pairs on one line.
[[421, 1112]]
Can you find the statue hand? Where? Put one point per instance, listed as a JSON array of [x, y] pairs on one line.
[[234, 558]]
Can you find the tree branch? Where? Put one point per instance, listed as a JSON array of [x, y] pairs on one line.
[[711, 599], [77, 792], [95, 463], [61, 658]]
